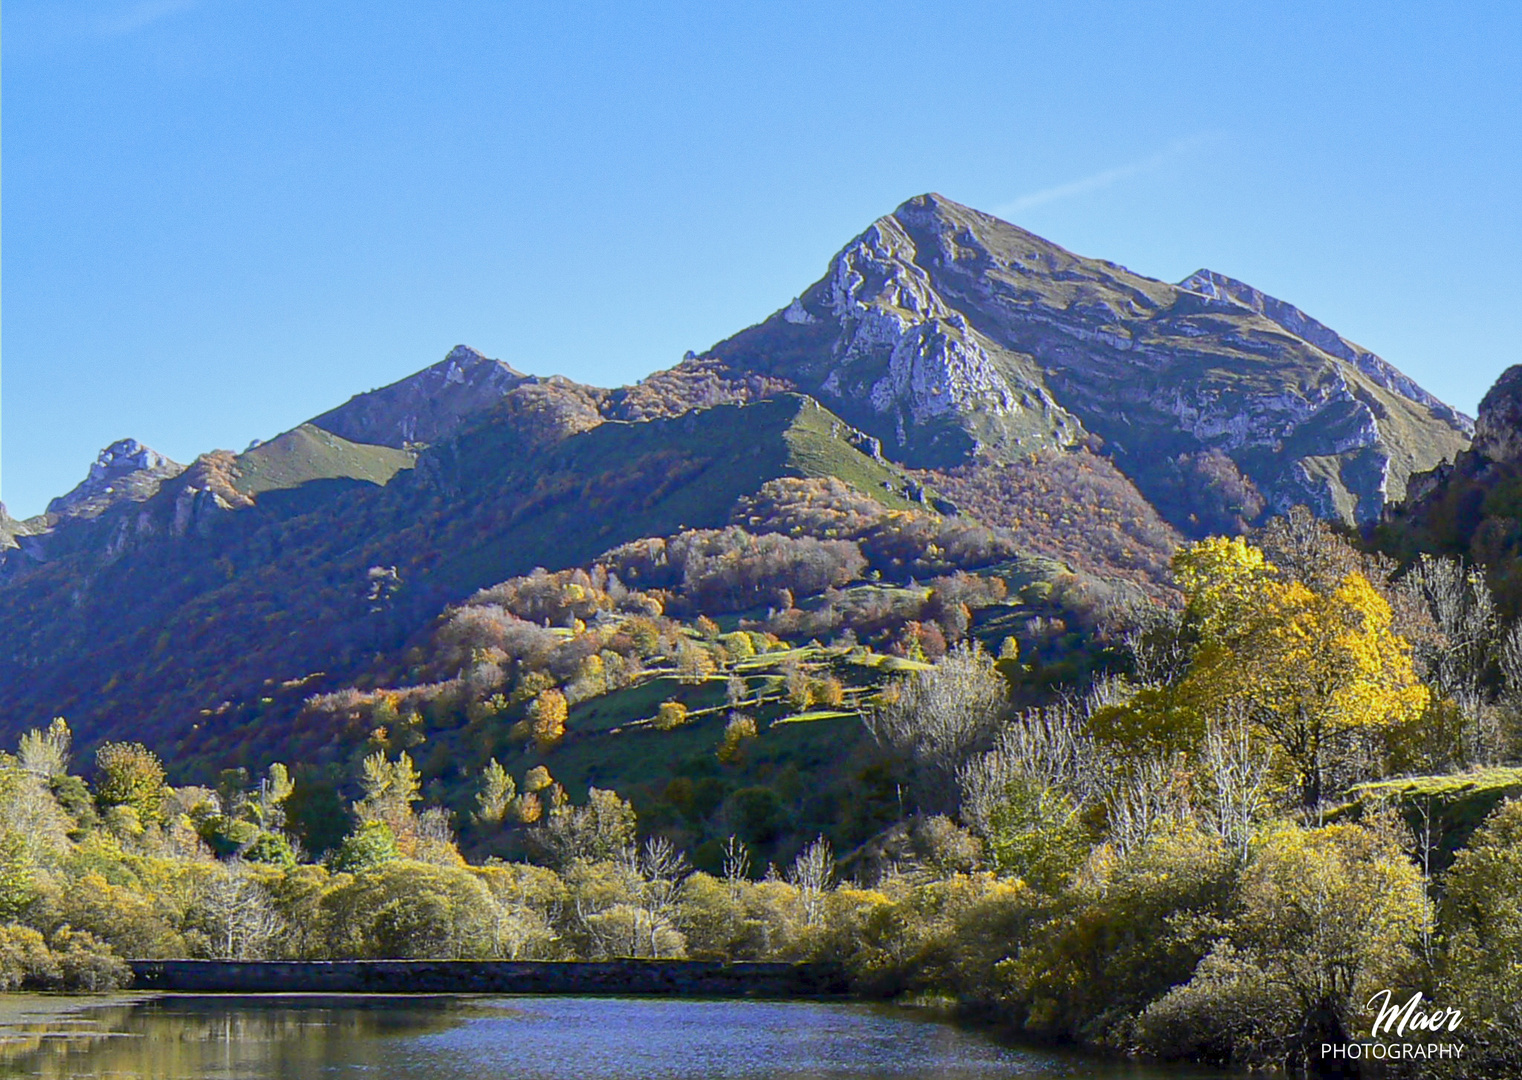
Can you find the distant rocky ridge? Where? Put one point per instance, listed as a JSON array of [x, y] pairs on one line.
[[125, 474], [380, 425]]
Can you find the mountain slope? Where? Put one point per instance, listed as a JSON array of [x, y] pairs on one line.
[[275, 589], [1094, 413], [954, 336], [308, 453]]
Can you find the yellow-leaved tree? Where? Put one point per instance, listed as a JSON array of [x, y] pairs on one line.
[[1308, 670], [547, 716]]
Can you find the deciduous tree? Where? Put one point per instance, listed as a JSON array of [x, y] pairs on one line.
[[1310, 671], [132, 776], [937, 718]]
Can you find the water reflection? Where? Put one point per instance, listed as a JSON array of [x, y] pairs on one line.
[[525, 1038], [173, 1037]]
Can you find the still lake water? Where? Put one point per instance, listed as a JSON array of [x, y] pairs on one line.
[[521, 1038]]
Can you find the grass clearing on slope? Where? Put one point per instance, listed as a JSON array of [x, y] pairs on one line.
[[308, 453], [1442, 811]]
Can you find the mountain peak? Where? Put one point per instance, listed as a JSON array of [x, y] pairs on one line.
[[426, 406], [125, 470], [127, 455], [969, 225], [464, 355], [932, 201], [954, 336]]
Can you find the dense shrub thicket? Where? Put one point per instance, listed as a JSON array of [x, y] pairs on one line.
[[1075, 506], [897, 544], [695, 383]]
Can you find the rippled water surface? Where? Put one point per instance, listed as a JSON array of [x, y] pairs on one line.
[[528, 1038]]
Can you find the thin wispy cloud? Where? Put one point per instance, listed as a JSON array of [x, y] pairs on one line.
[[1174, 150], [144, 13]]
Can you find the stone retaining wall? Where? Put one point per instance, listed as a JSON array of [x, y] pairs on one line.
[[693, 978]]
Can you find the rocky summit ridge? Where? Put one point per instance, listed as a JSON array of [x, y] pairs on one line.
[[949, 339], [955, 337], [1297, 322]]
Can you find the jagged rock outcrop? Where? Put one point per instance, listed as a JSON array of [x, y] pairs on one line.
[[125, 471], [953, 336], [125, 476], [10, 528], [1495, 452], [425, 407], [1471, 506], [1498, 428], [209, 488]]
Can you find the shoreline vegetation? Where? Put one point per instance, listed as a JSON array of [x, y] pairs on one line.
[[1208, 831], [580, 978]]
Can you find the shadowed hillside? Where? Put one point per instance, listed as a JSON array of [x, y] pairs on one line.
[[278, 588]]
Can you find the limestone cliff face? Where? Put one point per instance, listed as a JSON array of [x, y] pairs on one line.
[[952, 335], [1297, 322]]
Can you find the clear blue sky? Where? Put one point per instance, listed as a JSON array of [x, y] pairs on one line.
[[223, 217]]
